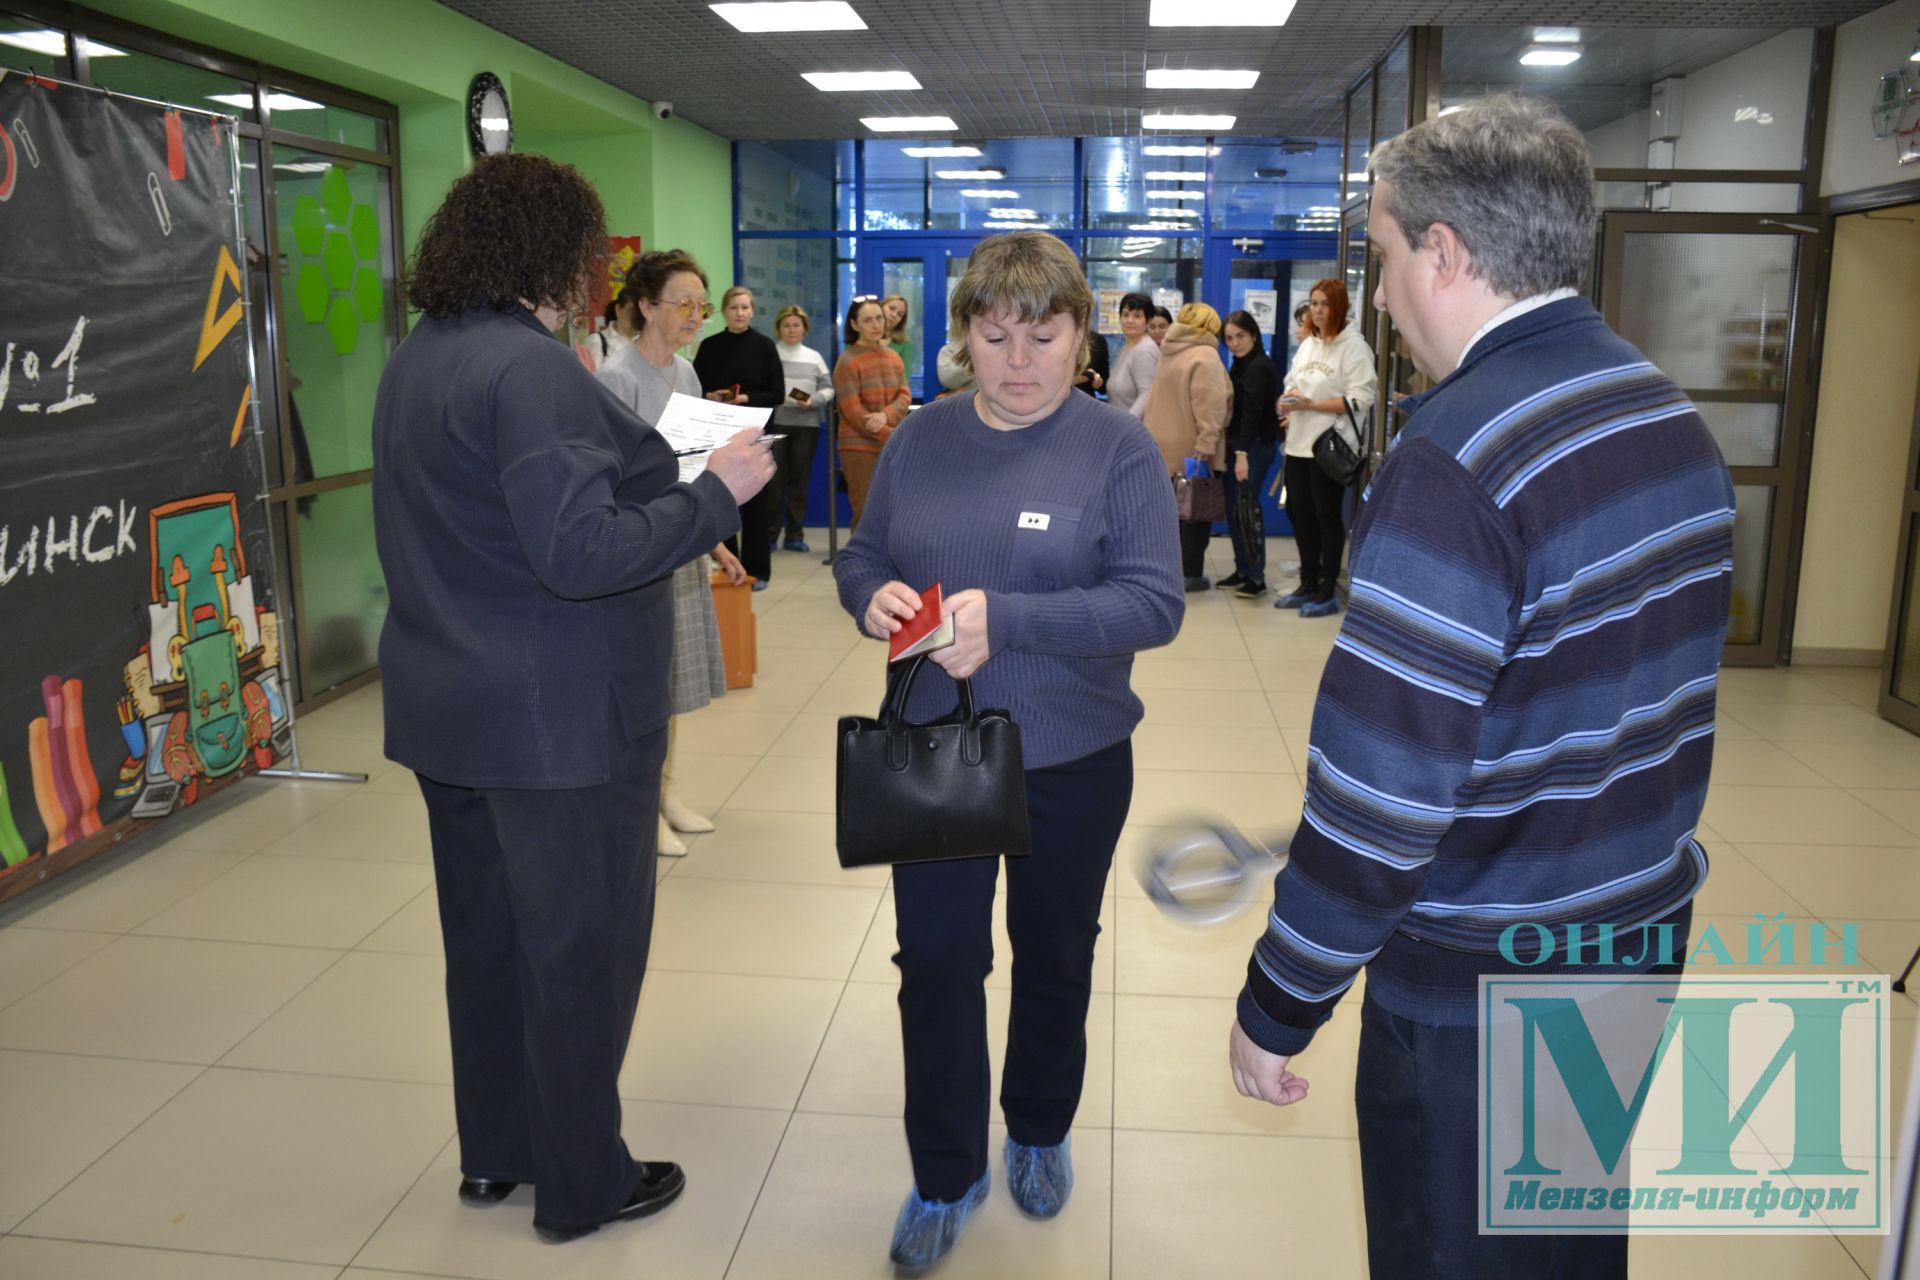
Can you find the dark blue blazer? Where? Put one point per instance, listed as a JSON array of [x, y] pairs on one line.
[[528, 524]]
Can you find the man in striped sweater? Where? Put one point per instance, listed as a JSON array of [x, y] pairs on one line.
[[1516, 722]]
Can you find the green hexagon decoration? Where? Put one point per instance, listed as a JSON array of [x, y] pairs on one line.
[[367, 294], [310, 287], [336, 195], [343, 326], [309, 226], [340, 285], [364, 228], [339, 259]]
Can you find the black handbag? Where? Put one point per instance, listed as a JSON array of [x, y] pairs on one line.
[[1338, 457], [955, 787], [1200, 499]]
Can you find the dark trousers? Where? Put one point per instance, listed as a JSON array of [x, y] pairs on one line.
[[1416, 1095], [793, 472], [546, 910], [759, 520], [1314, 506], [1250, 538], [944, 913], [1194, 537]]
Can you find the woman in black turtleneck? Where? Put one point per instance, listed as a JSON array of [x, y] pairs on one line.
[[742, 366], [1253, 435]]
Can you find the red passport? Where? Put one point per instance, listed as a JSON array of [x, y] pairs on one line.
[[925, 631]]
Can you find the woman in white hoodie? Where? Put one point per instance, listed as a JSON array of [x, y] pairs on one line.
[[1333, 368], [809, 392]]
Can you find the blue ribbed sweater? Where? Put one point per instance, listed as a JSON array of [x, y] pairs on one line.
[[1516, 722], [1069, 604]]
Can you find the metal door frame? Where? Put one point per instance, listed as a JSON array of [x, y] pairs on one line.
[[934, 251], [1906, 582], [1788, 475]]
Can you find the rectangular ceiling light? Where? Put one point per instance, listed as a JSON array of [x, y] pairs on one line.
[[999, 225], [1174, 175], [922, 153], [1219, 13], [988, 193], [53, 44], [791, 15], [1197, 124], [855, 81], [1023, 214], [1172, 213], [1174, 149], [962, 175], [1550, 55], [275, 102], [909, 124], [1168, 78], [1176, 195]]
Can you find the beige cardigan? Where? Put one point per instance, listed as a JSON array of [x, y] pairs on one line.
[[1190, 400]]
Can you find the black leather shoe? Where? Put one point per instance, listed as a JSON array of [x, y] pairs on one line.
[[484, 1191], [661, 1182]]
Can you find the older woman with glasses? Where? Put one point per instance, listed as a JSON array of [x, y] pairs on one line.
[[527, 524], [1047, 518], [870, 386], [670, 291]]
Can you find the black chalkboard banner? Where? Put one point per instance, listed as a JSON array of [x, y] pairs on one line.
[[139, 634]]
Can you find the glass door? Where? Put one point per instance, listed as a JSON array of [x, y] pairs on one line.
[[1721, 303], [1267, 277], [1900, 676], [923, 272]]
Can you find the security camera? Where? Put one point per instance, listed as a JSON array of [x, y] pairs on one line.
[[663, 110]]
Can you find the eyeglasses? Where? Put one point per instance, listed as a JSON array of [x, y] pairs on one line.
[[689, 308]]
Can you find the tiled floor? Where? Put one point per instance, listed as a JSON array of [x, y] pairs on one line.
[[223, 1052]]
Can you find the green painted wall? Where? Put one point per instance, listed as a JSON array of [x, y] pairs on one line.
[[667, 181]]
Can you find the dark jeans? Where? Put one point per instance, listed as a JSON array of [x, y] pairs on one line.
[[944, 914], [1416, 1095], [1194, 537], [1314, 506], [546, 910], [1249, 545], [793, 472], [759, 518]]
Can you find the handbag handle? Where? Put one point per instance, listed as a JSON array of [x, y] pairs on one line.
[[893, 715], [893, 707]]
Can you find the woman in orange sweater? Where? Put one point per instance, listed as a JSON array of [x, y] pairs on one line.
[[870, 388]]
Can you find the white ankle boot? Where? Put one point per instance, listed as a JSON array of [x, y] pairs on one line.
[[681, 818], [669, 843]]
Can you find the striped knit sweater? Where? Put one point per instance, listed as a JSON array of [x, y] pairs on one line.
[[1068, 525], [1516, 722], [869, 380]]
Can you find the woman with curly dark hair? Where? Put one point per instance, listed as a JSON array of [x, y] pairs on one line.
[[528, 525]]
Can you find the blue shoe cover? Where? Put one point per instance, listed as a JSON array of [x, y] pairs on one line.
[[926, 1229], [1040, 1178], [1320, 609]]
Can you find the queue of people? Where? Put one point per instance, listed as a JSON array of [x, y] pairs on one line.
[[513, 482]]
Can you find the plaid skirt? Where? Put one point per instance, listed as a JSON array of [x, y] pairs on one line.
[[699, 672]]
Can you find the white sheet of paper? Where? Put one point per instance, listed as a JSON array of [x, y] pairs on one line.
[[689, 422]]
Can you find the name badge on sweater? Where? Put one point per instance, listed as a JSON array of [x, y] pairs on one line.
[[1034, 520]]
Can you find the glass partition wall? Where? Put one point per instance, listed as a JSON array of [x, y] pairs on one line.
[[319, 177], [1696, 135]]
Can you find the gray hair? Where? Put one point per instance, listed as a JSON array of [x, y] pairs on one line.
[[1511, 177]]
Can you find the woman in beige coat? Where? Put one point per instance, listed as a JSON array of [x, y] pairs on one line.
[[1187, 411]]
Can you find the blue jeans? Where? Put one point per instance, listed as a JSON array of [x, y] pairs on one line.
[[1249, 544]]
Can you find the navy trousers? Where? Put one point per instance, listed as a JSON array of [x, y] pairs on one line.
[[944, 914], [546, 910], [1416, 1095]]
